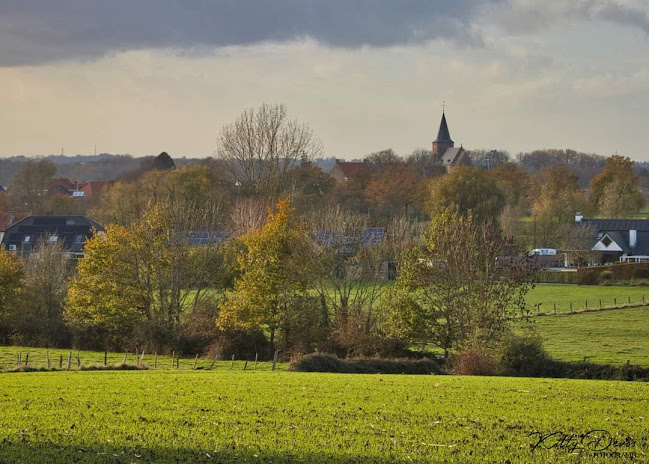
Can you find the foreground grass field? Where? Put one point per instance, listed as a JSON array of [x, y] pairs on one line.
[[605, 337], [116, 417]]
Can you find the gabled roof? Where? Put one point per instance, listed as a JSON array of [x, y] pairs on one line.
[[443, 135], [618, 224], [349, 168], [349, 244], [69, 231], [93, 187], [9, 219], [451, 155], [61, 185]]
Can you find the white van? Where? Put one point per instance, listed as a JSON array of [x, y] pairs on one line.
[[544, 252]]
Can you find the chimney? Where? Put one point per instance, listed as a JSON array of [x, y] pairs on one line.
[[579, 217]]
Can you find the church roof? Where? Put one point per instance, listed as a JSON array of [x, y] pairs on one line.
[[451, 155], [443, 136]]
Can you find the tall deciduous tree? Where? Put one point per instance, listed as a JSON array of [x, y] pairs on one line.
[[468, 190], [460, 286], [263, 145], [31, 182], [11, 282], [555, 197], [272, 292], [395, 191], [615, 191]]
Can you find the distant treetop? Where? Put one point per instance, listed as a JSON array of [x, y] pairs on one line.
[[163, 162]]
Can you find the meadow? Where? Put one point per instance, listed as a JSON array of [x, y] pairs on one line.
[[212, 416], [581, 295], [605, 337]]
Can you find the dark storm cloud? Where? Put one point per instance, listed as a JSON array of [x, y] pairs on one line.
[[37, 31]]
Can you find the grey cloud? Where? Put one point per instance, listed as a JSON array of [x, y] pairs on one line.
[[523, 16], [37, 31]]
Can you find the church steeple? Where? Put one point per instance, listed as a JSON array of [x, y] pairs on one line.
[[443, 140]]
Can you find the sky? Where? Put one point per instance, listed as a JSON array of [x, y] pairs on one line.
[[146, 76]]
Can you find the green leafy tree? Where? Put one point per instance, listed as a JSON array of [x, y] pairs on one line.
[[11, 283], [555, 196], [468, 190], [272, 292], [614, 192], [459, 287]]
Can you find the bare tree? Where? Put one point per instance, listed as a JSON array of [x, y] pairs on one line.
[[248, 213], [262, 145], [350, 280], [31, 182]]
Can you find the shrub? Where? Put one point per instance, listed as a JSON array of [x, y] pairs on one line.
[[523, 354], [330, 363], [473, 361]]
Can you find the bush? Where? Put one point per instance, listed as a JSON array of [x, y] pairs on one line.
[[473, 361], [330, 363], [523, 354]]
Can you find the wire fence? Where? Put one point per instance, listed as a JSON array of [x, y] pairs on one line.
[[24, 358]]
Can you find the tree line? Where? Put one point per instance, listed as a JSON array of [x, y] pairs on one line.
[[258, 249]]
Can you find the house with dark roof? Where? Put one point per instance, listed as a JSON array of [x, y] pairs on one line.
[[71, 232], [8, 219], [444, 150], [618, 239]]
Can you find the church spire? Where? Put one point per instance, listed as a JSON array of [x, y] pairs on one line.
[[443, 135]]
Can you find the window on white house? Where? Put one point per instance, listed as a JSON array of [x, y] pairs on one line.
[[53, 238], [607, 241]]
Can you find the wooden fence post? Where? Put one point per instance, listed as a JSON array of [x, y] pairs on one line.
[[142, 359], [78, 360], [555, 308], [195, 361], [125, 355], [155, 359], [60, 361], [213, 361], [173, 361], [629, 300], [256, 354], [105, 358], [571, 306], [49, 363], [274, 359], [69, 360], [586, 304], [615, 301], [600, 303], [26, 359], [232, 363]]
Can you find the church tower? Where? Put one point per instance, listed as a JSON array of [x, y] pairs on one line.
[[443, 140]]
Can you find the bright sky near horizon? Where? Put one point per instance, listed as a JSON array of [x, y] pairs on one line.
[[152, 75]]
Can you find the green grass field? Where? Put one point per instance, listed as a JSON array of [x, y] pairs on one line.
[[606, 337], [163, 416], [38, 359], [562, 295]]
